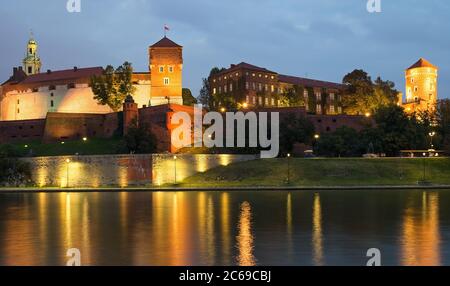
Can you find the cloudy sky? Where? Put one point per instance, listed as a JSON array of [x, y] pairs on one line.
[[321, 39]]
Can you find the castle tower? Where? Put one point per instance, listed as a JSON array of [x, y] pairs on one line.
[[31, 62], [421, 87], [166, 66], [130, 113]]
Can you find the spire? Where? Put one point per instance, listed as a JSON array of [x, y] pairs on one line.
[[31, 62]]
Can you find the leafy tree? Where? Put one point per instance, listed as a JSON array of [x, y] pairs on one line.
[[443, 122], [205, 96], [113, 86], [140, 139], [188, 99], [293, 97], [343, 142], [364, 96], [295, 129]]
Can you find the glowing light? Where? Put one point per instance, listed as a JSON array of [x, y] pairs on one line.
[[85, 139], [368, 114], [245, 105], [26, 146], [67, 160], [317, 136], [63, 142], [223, 109], [288, 155]]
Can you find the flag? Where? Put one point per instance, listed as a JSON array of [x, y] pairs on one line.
[[166, 28]]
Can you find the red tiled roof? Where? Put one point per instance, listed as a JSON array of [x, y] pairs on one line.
[[246, 66], [165, 43], [306, 82], [422, 63], [63, 75]]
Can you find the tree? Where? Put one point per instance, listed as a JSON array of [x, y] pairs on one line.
[[443, 122], [188, 99], [113, 86], [364, 96], [295, 129], [140, 139], [344, 142], [206, 97], [293, 97]]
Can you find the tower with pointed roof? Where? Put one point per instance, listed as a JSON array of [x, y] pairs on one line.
[[421, 87], [31, 62], [166, 67]]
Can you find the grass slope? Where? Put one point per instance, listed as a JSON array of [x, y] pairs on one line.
[[325, 172]]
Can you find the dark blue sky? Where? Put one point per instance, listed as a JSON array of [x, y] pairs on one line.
[[322, 39]]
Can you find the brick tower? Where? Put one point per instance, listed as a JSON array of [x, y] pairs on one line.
[[166, 66], [421, 87], [130, 113]]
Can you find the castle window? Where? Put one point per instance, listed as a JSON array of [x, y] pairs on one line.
[[246, 85], [416, 89], [318, 96], [52, 87], [267, 101], [260, 86], [412, 80], [51, 94], [70, 86], [225, 88], [18, 101], [231, 87], [272, 88], [30, 70], [31, 50], [254, 85], [319, 109], [161, 69], [166, 81], [51, 103], [331, 96], [214, 90], [332, 109], [273, 101], [247, 98], [18, 110], [171, 69], [35, 89], [220, 89]]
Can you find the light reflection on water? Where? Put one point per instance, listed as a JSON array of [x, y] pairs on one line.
[[226, 228]]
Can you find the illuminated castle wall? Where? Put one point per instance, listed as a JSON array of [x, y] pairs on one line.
[[30, 94], [421, 87]]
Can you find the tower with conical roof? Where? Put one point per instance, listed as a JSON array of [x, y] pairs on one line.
[[166, 67], [421, 87], [31, 62]]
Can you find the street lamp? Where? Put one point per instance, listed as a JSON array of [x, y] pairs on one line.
[[245, 105], [431, 134], [175, 169], [289, 168], [85, 139], [223, 110], [316, 138], [68, 164]]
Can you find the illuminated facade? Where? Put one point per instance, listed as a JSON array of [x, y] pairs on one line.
[[421, 87], [253, 86], [29, 94]]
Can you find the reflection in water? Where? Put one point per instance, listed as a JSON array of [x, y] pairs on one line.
[[289, 225], [224, 228], [421, 235], [317, 231], [245, 237]]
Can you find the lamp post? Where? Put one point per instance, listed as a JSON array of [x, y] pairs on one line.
[[68, 164], [175, 169], [431, 134], [316, 138], [288, 168]]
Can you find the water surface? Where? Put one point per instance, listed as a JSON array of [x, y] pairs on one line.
[[226, 228]]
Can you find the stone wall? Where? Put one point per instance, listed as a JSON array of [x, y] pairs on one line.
[[123, 170]]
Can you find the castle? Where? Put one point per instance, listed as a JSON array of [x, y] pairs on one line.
[[30, 94]]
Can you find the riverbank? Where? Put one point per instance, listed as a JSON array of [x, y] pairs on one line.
[[327, 172], [222, 189]]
